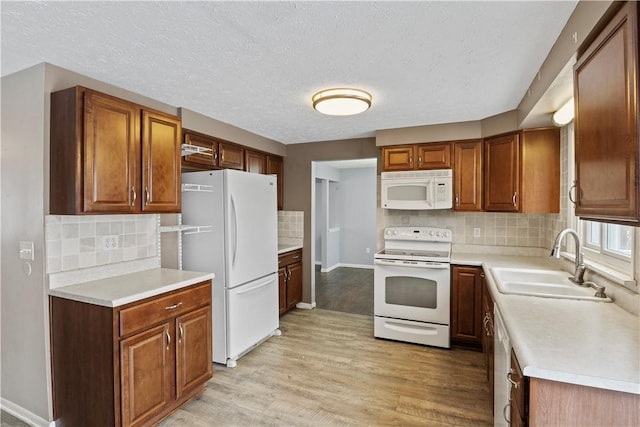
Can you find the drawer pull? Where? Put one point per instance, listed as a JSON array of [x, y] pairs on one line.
[[513, 383], [296, 257], [173, 307]]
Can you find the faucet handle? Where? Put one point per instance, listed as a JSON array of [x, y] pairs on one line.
[[599, 289]]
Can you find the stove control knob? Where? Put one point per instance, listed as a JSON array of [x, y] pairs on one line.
[[439, 234], [431, 233]]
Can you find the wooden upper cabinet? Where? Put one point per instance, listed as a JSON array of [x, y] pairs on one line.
[[206, 158], [416, 156], [467, 175], [397, 158], [522, 172], [109, 155], [606, 120], [502, 173], [230, 156], [161, 172], [255, 161], [275, 166], [433, 156]]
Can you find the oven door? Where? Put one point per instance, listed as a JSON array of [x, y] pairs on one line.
[[412, 291]]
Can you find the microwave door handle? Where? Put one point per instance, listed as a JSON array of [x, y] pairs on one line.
[[431, 201]]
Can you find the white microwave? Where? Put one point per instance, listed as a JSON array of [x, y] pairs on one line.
[[417, 190]]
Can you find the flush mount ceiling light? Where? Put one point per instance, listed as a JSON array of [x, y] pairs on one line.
[[341, 101], [565, 114]]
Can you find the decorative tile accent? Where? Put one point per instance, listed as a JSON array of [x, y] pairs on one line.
[[75, 242], [291, 224]]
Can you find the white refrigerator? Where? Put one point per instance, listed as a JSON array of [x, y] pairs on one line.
[[241, 249]]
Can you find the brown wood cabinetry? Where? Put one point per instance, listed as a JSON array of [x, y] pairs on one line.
[[217, 154], [416, 156], [467, 175], [275, 166], [466, 306], [255, 161], [109, 155], [487, 337], [522, 172], [130, 365], [289, 280], [606, 121], [519, 397]]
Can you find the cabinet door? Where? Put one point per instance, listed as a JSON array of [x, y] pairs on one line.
[[466, 306], [519, 393], [282, 290], [467, 175], [161, 173], [146, 365], [275, 167], [502, 173], [230, 156], [194, 362], [294, 285], [205, 160], [434, 156], [255, 161], [397, 158], [606, 122], [111, 154]]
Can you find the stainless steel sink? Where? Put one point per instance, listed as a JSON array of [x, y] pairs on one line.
[[541, 283]]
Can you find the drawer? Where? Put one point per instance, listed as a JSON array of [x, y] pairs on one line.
[[289, 258], [165, 306]]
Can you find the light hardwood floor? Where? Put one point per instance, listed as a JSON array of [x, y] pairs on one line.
[[327, 370]]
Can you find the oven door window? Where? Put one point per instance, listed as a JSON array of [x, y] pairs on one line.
[[411, 292], [407, 192]]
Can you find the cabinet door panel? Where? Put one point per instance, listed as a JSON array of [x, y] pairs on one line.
[[161, 140], [467, 175], [194, 362], [201, 161], [397, 158], [230, 156], [294, 285], [146, 366], [434, 156], [282, 290], [606, 122], [502, 178], [275, 167], [111, 154], [466, 305], [255, 161]]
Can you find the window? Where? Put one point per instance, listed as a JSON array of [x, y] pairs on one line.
[[610, 245]]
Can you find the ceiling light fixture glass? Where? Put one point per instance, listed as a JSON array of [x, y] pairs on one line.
[[341, 101], [565, 114]]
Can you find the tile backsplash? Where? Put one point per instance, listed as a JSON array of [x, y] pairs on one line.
[[76, 242], [291, 224]]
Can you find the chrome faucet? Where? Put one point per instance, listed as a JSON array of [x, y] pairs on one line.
[[578, 275]]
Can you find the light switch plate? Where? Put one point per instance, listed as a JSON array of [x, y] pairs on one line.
[[26, 251]]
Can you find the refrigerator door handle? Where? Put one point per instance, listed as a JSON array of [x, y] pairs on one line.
[[254, 287], [234, 239]]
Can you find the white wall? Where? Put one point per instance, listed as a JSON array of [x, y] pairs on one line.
[[26, 376], [357, 201]]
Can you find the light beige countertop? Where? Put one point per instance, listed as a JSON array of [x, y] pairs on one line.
[[288, 247], [119, 290], [587, 343]]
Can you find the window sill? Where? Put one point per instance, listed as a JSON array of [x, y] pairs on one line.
[[611, 274]]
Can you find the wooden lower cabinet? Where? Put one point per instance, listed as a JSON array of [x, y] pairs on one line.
[[487, 338], [466, 306], [130, 365], [289, 280]]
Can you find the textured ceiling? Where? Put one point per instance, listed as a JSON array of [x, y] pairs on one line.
[[255, 65]]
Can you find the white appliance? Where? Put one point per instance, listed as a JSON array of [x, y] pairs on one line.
[[242, 251], [501, 369], [417, 190], [412, 286]]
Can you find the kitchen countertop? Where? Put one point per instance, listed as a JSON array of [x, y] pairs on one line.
[[587, 343], [287, 247], [119, 290]]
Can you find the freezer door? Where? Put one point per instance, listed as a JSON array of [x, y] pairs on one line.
[[252, 227], [252, 314]]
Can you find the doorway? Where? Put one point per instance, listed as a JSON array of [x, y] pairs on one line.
[[343, 215]]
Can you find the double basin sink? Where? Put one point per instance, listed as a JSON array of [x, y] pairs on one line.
[[542, 283]]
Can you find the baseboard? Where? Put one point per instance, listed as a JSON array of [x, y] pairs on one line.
[[24, 415], [333, 267], [306, 305]]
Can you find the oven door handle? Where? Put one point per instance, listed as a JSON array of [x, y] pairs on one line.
[[418, 264]]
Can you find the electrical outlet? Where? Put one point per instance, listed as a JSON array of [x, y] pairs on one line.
[[368, 250], [110, 242], [476, 232]]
